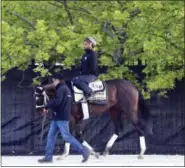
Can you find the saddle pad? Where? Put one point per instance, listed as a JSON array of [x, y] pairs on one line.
[[99, 96], [97, 85]]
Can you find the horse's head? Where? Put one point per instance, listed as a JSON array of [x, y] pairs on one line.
[[43, 93], [41, 98]]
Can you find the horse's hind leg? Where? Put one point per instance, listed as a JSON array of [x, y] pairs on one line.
[[142, 147], [109, 144], [140, 128], [84, 143], [116, 118]]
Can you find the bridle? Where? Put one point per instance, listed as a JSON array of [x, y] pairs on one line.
[[45, 97]]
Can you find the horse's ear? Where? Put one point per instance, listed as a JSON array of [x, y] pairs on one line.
[[39, 89], [50, 79], [44, 80]]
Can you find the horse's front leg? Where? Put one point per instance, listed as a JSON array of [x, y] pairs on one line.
[[67, 145], [76, 131], [80, 138], [66, 151], [116, 118]]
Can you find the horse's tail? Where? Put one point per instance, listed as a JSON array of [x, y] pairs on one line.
[[145, 115]]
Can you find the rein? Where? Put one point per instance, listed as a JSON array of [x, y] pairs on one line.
[[46, 98]]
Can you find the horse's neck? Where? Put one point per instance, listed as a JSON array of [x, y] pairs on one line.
[[68, 83], [49, 87]]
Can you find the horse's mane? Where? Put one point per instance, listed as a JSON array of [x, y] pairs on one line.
[[68, 83]]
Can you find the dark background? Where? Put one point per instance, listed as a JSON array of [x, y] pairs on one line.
[[21, 125]]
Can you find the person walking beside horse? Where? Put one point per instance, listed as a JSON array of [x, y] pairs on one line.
[[61, 110]]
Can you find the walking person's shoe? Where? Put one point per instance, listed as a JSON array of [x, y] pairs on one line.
[[45, 160], [86, 155]]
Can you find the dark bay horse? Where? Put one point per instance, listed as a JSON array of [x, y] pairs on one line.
[[124, 102]]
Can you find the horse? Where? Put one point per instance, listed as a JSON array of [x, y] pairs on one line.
[[125, 101]]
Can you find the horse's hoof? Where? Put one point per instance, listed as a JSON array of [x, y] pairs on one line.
[[97, 155], [105, 153], [140, 157], [62, 157]]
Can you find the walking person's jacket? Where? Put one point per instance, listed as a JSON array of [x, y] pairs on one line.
[[61, 104]]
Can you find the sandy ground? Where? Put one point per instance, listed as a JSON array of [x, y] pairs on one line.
[[111, 160]]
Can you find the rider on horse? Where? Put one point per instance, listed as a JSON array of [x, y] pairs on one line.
[[89, 67]]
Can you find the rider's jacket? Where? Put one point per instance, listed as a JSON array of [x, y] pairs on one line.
[[89, 63]]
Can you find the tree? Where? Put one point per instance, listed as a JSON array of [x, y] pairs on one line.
[[53, 31]]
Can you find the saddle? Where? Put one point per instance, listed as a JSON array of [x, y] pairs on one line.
[[100, 93]]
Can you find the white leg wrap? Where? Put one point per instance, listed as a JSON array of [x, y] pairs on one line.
[[66, 152], [142, 145], [111, 141], [87, 145], [85, 110], [66, 148]]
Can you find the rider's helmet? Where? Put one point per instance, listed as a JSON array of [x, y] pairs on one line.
[[92, 40]]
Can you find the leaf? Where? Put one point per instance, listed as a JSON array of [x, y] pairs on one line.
[[146, 31], [60, 49]]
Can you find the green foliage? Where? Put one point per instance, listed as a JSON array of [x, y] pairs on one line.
[[50, 31]]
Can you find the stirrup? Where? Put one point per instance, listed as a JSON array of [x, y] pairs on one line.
[[86, 97], [83, 100]]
